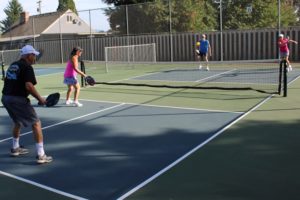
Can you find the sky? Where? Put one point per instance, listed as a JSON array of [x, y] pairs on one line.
[[99, 20]]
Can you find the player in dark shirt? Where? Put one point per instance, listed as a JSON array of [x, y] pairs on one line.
[[19, 83]]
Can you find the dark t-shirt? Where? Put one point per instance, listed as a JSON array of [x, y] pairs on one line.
[[17, 75]]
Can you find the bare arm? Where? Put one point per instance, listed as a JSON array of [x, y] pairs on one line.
[[75, 65], [31, 89], [293, 41]]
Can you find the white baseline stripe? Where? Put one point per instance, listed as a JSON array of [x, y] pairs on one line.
[[190, 152], [66, 121], [42, 186]]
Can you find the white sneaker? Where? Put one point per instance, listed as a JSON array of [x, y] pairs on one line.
[[207, 68], [69, 102], [200, 67], [290, 68], [76, 103], [43, 159]]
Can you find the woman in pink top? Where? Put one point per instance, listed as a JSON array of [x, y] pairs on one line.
[[70, 76], [284, 49]]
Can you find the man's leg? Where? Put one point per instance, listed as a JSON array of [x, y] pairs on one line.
[[39, 144], [206, 62], [16, 149]]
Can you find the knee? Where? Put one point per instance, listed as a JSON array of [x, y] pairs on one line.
[[36, 125]]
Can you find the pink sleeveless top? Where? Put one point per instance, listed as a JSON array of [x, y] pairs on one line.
[[69, 71]]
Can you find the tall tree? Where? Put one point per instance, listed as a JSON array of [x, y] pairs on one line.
[[12, 11], [250, 14], [64, 5], [186, 15], [125, 2]]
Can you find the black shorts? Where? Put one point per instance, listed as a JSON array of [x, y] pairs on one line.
[[20, 110], [202, 54]]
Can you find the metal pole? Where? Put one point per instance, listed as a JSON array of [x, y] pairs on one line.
[[170, 27], [221, 29], [127, 35], [91, 36], [127, 26], [39, 9], [33, 31], [279, 22], [60, 38], [279, 17]]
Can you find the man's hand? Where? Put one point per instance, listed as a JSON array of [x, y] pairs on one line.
[[42, 101]]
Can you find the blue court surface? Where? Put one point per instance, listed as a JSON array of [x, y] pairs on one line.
[[104, 149]]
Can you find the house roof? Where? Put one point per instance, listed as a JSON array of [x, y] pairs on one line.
[[47, 24], [39, 22]]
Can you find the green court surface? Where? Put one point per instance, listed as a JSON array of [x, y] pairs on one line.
[[255, 157]]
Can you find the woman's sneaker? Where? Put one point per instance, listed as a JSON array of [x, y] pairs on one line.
[[18, 151], [43, 159], [69, 102], [76, 103]]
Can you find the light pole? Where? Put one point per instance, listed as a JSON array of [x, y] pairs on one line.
[[221, 26], [279, 17]]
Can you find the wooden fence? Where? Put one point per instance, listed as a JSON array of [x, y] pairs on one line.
[[175, 47]]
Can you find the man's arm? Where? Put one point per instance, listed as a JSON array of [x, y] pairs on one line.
[[293, 41], [31, 89], [209, 50]]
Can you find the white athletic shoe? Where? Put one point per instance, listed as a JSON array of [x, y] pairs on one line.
[[290, 68], [207, 68], [43, 159], [200, 67], [69, 102], [77, 104]]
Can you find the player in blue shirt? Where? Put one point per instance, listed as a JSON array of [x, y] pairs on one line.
[[203, 51]]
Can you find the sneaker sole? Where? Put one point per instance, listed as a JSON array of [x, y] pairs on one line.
[[44, 161], [18, 154]]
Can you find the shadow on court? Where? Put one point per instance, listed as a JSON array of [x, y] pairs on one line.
[[103, 150]]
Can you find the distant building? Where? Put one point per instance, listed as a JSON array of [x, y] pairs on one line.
[[46, 26]]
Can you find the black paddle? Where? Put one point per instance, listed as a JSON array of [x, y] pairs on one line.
[[90, 80], [52, 99]]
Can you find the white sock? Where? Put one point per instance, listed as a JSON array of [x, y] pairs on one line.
[[15, 143], [40, 148]]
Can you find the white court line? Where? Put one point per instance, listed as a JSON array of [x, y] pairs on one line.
[[50, 74], [69, 120], [190, 152], [209, 77], [42, 186], [161, 106], [134, 77]]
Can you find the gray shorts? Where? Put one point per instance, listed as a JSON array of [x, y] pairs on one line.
[[284, 54], [20, 110]]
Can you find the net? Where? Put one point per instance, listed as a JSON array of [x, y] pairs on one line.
[[9, 56], [259, 76], [129, 56]]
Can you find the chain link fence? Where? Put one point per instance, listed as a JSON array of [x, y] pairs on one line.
[[237, 29]]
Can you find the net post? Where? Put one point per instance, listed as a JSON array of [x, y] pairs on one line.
[[285, 78], [280, 77], [82, 68]]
